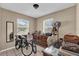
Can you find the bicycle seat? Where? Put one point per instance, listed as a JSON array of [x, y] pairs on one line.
[[21, 37]]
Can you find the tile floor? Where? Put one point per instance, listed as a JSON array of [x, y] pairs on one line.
[[14, 52]]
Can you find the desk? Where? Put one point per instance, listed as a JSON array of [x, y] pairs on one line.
[[42, 40]]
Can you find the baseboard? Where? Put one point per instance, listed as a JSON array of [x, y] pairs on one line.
[[7, 49]]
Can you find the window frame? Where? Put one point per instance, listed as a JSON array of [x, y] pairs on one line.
[[44, 26]]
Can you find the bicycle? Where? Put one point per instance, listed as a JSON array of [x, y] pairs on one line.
[[27, 48]]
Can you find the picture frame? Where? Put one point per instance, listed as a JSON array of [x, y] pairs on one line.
[[9, 31]]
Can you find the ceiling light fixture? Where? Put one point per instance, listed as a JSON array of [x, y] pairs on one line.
[[35, 6]]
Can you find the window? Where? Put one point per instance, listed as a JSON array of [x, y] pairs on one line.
[[22, 26], [47, 25]]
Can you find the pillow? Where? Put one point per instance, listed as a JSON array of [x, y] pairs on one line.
[[71, 47]]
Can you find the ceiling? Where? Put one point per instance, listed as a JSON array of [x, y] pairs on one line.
[[27, 8]]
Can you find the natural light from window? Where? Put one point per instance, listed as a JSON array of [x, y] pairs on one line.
[[47, 25], [22, 26]]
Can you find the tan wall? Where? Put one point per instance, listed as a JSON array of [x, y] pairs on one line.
[[6, 15], [67, 18], [0, 28], [77, 19]]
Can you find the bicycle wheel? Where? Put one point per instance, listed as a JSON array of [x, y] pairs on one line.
[[17, 44], [27, 51], [34, 47]]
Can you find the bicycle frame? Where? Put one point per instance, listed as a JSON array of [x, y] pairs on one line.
[[23, 43]]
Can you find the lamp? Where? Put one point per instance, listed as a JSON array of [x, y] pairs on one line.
[[35, 6]]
